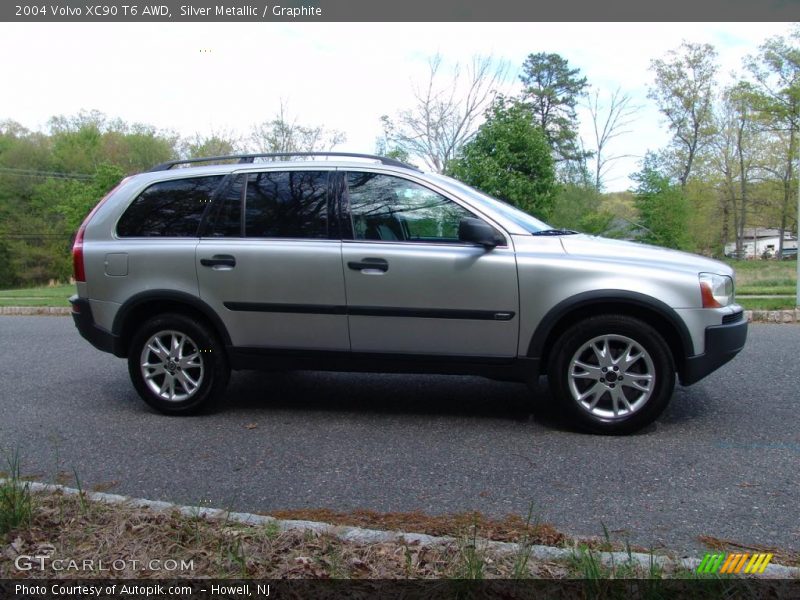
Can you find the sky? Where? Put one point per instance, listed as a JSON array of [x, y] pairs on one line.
[[198, 78]]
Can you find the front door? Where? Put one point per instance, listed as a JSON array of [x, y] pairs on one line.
[[412, 286]]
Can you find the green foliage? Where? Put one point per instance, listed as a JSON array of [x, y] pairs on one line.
[[551, 93], [48, 183], [16, 503], [7, 278], [509, 158], [684, 91], [663, 209], [384, 147], [216, 144], [578, 207]]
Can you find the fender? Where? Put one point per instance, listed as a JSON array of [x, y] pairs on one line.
[[169, 296], [619, 297]]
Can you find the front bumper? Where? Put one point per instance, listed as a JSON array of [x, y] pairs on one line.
[[723, 342], [84, 321]]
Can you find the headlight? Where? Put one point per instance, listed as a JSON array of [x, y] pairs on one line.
[[716, 290]]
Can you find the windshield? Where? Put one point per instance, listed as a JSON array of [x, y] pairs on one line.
[[523, 219]]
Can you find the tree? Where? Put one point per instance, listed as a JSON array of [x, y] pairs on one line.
[[551, 92], [48, 183], [509, 158], [609, 122], [663, 209], [82, 142], [137, 147], [446, 112], [683, 89], [285, 134], [578, 207], [777, 73], [737, 150], [218, 143]]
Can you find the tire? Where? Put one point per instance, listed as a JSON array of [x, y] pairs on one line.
[[177, 364], [612, 374]]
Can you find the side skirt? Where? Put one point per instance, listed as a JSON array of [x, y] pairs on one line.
[[272, 359]]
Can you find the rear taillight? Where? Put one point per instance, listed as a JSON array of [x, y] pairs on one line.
[[78, 269], [77, 254]]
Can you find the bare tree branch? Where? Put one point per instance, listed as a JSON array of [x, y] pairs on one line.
[[447, 110], [610, 121], [284, 134]]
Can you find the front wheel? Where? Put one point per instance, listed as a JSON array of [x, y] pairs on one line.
[[177, 365], [612, 374]]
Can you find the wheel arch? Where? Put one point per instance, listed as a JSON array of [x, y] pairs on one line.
[[144, 305], [646, 308]]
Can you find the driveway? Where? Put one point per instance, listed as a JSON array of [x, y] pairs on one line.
[[722, 461]]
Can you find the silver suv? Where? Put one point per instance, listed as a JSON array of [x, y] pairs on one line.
[[362, 263]]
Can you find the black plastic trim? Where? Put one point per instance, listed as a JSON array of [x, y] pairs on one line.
[[372, 311], [723, 342], [621, 297], [308, 309], [431, 313], [733, 317], [506, 368], [171, 296], [89, 330]]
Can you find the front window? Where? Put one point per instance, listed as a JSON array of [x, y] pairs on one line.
[[524, 220], [386, 208]]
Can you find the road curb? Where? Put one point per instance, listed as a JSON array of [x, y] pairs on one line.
[[752, 316], [372, 536], [28, 311], [772, 316]]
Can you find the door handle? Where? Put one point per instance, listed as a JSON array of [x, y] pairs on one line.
[[219, 260], [369, 264]]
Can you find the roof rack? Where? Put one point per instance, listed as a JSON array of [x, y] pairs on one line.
[[250, 158]]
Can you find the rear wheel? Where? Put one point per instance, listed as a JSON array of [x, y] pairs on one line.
[[612, 374], [177, 364]]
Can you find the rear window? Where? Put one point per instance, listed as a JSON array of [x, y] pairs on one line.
[[169, 209]]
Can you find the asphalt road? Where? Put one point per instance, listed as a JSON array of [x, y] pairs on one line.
[[723, 460]]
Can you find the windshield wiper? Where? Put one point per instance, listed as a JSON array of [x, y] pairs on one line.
[[554, 232]]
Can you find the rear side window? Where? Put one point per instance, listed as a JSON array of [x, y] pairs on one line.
[[286, 204], [169, 209], [226, 220]]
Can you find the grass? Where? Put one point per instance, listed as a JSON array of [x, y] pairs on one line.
[[39, 296], [510, 528], [83, 529], [764, 276], [225, 549], [16, 505], [766, 303]]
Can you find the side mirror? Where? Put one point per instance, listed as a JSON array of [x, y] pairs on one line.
[[478, 232]]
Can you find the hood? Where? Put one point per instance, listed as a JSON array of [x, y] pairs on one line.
[[636, 253]]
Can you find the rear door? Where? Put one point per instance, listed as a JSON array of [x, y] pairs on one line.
[[270, 265], [412, 286]]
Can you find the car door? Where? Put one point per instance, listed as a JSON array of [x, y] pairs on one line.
[[269, 264], [412, 286]]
